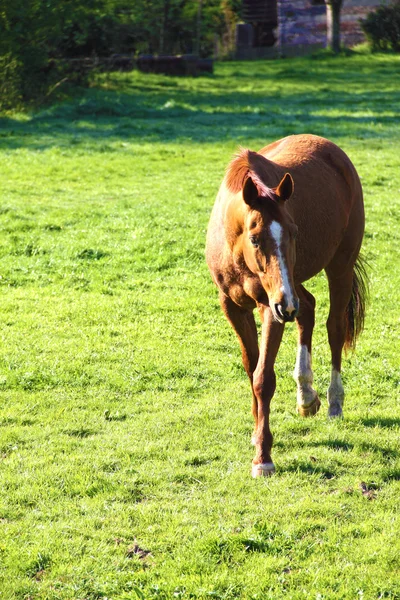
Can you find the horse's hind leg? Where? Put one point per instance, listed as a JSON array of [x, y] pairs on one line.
[[340, 290], [308, 402], [244, 325]]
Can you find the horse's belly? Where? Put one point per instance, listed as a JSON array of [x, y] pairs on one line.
[[306, 269], [320, 234]]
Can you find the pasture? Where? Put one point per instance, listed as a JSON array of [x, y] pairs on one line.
[[125, 417]]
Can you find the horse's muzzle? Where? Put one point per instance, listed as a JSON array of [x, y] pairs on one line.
[[285, 314]]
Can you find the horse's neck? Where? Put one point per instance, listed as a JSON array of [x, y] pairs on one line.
[[273, 173], [234, 218]]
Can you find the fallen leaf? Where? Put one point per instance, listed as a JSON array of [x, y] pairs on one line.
[[367, 491], [136, 550]]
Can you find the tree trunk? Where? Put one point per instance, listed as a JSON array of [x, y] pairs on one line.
[[164, 27], [198, 28], [333, 8]]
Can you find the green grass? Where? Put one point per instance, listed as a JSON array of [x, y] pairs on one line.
[[125, 412]]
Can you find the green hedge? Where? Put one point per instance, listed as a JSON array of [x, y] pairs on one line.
[[36, 36], [382, 27]]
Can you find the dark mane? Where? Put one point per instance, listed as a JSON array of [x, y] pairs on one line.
[[248, 164]]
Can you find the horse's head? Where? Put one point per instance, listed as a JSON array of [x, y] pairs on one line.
[[269, 245]]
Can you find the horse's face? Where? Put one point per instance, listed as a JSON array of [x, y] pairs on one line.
[[269, 245]]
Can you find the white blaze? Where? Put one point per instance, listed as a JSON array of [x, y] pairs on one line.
[[276, 232]]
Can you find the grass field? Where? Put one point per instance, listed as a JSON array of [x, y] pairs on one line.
[[125, 413]]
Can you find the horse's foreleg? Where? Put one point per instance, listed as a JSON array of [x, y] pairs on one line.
[[340, 293], [264, 383], [244, 325], [308, 402]]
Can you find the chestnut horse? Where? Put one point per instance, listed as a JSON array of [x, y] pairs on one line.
[[281, 216]]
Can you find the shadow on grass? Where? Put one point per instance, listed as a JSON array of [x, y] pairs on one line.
[[242, 101], [338, 445], [342, 446], [310, 469], [383, 422], [392, 475]]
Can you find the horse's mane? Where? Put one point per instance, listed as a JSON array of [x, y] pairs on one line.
[[247, 163]]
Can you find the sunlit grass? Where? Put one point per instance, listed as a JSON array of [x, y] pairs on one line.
[[125, 413]]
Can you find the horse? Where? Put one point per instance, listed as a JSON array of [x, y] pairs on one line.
[[282, 215]]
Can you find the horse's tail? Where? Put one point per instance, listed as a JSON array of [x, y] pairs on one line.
[[355, 311]]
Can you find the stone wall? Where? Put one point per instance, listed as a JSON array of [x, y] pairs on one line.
[[301, 27], [350, 27], [304, 21], [301, 22]]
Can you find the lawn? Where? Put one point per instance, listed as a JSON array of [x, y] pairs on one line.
[[125, 418]]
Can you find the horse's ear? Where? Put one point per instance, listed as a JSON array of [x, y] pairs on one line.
[[285, 188], [250, 192]]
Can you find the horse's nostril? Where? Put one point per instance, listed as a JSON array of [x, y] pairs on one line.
[[279, 311], [283, 314], [288, 317]]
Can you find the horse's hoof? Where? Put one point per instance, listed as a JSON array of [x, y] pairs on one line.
[[311, 409], [335, 411], [263, 470]]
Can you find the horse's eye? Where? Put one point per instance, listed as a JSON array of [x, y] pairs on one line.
[[254, 241]]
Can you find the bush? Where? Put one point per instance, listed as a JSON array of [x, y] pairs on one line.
[[382, 27], [10, 85], [38, 38], [30, 32]]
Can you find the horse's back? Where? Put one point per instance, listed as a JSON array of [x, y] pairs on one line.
[[311, 156], [328, 202], [327, 205]]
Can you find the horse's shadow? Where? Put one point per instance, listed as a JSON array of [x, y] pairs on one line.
[[311, 466], [345, 446], [384, 422], [310, 469]]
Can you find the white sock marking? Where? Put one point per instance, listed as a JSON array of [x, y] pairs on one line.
[[303, 375], [335, 395], [336, 390], [262, 469], [302, 370], [276, 232]]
